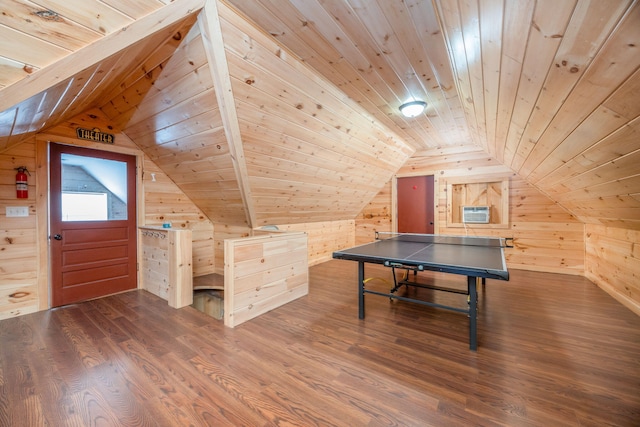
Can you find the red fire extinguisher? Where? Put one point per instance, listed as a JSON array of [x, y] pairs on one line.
[[22, 183]]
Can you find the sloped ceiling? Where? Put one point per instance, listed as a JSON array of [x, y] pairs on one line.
[[269, 112]]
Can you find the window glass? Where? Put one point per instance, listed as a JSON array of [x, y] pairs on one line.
[[93, 189]]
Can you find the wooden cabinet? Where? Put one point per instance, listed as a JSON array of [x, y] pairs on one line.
[[165, 264]]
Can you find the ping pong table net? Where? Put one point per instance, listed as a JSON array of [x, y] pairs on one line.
[[440, 239]]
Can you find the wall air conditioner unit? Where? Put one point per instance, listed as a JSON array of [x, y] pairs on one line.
[[475, 214]]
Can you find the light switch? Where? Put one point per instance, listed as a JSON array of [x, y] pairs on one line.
[[17, 211]]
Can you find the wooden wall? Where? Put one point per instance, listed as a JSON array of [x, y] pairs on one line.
[[555, 96], [165, 201], [222, 232], [21, 253], [546, 237], [287, 147], [18, 242], [324, 237], [612, 261], [172, 114], [376, 216], [311, 154], [262, 273]]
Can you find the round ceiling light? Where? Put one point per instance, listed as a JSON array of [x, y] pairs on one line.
[[413, 108]]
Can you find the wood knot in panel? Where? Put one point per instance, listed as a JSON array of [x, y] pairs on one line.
[[48, 15], [19, 294]]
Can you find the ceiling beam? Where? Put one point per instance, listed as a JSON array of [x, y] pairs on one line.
[[209, 23], [97, 52]]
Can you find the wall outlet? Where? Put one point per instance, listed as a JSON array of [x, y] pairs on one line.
[[17, 211]]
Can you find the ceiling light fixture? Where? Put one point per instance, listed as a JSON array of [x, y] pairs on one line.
[[413, 108]]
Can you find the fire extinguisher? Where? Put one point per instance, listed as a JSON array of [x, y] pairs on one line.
[[22, 183]]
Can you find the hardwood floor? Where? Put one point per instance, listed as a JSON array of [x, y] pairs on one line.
[[554, 350]]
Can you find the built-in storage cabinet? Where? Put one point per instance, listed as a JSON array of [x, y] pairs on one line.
[[165, 264], [468, 201]]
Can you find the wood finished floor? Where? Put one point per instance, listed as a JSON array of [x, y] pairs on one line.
[[554, 350]]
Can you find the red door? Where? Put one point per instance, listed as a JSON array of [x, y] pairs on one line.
[[415, 204], [92, 223]]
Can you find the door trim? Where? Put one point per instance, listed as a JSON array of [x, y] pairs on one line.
[[42, 204], [394, 199]]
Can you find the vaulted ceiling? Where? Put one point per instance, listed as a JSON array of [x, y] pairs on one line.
[[281, 111]]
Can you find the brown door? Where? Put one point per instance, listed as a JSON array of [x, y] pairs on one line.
[[415, 204], [92, 223]]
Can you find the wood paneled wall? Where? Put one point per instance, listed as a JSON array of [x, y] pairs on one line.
[[20, 251], [546, 237], [172, 114], [302, 151], [18, 242], [311, 155], [262, 273], [612, 261], [222, 232], [555, 96], [376, 216], [165, 201], [324, 237]]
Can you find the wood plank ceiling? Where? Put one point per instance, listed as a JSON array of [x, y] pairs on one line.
[[297, 120]]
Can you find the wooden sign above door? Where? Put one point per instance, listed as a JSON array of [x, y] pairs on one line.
[[95, 135]]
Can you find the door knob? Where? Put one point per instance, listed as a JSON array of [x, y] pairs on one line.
[[57, 236]]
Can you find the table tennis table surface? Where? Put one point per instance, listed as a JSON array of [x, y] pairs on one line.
[[466, 255], [474, 257]]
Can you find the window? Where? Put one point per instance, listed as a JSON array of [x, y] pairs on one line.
[[85, 207], [93, 189]]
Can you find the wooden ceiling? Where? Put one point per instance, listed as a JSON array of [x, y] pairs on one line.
[[267, 111]]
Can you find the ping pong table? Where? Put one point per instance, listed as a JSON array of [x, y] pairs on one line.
[[478, 258]]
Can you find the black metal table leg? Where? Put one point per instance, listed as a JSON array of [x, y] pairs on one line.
[[360, 289], [473, 313]]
